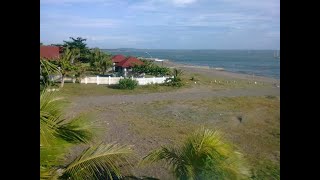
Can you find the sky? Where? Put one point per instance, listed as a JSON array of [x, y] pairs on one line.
[[163, 24]]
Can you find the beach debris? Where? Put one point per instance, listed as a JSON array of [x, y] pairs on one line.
[[255, 82], [215, 81], [195, 82], [239, 118]]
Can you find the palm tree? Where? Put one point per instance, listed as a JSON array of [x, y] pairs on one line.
[[47, 68], [204, 155], [100, 61], [177, 73], [66, 63], [57, 134], [176, 79]]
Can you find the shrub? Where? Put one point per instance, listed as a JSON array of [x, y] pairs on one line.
[[127, 84], [176, 82]]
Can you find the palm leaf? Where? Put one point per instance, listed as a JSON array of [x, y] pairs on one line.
[[99, 161], [76, 130], [203, 155], [50, 112]]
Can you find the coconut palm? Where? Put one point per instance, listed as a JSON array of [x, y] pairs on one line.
[[204, 155], [100, 61], [57, 134], [176, 79], [66, 63], [47, 68]]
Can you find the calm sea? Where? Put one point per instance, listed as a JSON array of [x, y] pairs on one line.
[[257, 62]]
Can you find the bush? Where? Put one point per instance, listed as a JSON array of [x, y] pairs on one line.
[[127, 84], [176, 82]]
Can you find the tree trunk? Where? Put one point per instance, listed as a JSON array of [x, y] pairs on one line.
[[62, 81]]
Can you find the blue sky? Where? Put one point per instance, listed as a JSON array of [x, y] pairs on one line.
[[163, 24]]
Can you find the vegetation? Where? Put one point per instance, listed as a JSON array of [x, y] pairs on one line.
[[47, 68], [176, 79], [127, 83], [57, 134], [151, 69], [78, 43], [66, 63], [100, 61], [204, 155]]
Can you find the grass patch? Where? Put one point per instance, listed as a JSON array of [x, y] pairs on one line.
[[75, 89], [257, 135]]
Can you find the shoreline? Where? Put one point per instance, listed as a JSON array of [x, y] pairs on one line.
[[208, 71]]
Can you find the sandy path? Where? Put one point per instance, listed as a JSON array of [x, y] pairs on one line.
[[185, 94]]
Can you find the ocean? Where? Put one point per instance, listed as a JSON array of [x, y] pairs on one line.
[[257, 62]]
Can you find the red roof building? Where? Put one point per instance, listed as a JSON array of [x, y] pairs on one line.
[[118, 58], [50, 52], [129, 62]]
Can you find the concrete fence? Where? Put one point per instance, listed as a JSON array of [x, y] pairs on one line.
[[115, 80], [110, 80]]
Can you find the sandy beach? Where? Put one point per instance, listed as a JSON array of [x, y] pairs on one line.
[[213, 72]]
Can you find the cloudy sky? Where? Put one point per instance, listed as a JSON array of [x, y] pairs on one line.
[[163, 24]]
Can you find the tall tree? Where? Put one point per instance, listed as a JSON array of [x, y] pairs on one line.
[[100, 61], [204, 155], [78, 43], [66, 64]]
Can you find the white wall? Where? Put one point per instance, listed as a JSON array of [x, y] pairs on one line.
[[115, 80]]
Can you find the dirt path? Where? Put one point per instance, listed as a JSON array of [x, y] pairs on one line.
[[185, 94]]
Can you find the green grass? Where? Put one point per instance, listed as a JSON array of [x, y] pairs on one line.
[[76, 89], [257, 136]]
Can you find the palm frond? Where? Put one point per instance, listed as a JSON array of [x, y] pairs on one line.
[[174, 159], [76, 130], [203, 155], [99, 161], [50, 112]]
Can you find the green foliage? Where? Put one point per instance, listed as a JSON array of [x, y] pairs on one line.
[[100, 61], [99, 162], [78, 43], [151, 69], [176, 79], [127, 83], [204, 155], [57, 134], [47, 68]]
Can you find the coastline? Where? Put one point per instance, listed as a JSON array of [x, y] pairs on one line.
[[216, 72]]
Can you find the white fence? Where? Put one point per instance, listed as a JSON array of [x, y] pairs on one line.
[[115, 80]]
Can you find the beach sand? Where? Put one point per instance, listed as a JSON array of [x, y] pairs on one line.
[[212, 72]]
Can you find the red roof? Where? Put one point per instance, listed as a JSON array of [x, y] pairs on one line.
[[118, 58], [49, 52], [129, 62]]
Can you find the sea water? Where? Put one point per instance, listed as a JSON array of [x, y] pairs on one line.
[[253, 62]]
